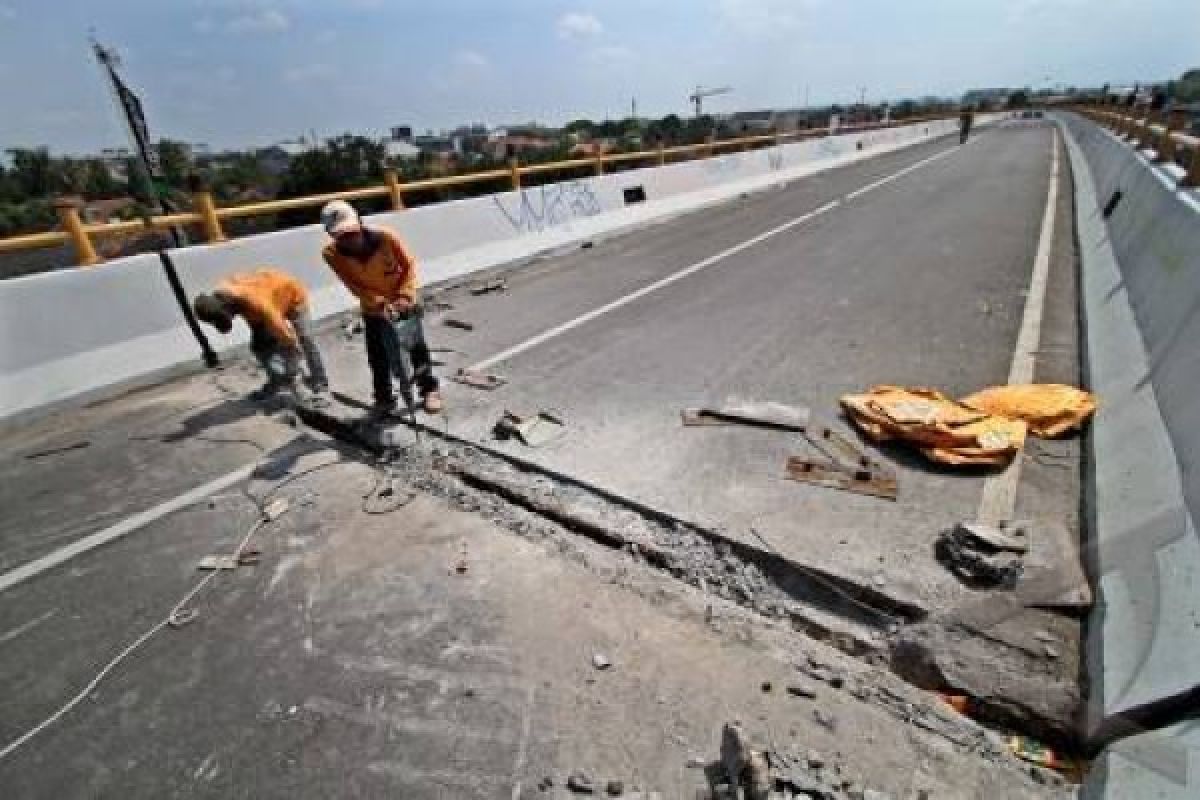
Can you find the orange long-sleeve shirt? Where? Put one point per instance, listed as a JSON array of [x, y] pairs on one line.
[[267, 297], [383, 277]]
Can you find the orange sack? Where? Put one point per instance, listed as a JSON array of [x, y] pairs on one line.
[[1050, 409], [945, 431], [987, 429]]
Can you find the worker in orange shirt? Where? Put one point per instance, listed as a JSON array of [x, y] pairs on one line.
[[275, 306], [375, 265]]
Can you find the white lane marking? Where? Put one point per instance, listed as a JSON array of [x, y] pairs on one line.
[[888, 179], [569, 325], [123, 528], [33, 623], [999, 498]]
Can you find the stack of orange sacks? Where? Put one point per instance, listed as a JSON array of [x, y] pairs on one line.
[[987, 428]]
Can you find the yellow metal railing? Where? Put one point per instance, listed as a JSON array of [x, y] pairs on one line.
[[1156, 130], [208, 216]]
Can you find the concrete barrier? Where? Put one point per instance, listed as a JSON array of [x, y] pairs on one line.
[[73, 334], [1141, 312]]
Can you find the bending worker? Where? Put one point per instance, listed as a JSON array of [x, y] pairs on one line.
[[375, 265], [275, 306]]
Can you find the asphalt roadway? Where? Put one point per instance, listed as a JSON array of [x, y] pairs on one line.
[[919, 282], [350, 663]]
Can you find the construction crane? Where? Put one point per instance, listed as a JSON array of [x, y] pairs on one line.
[[697, 97]]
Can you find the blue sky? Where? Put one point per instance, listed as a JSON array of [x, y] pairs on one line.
[[242, 72]]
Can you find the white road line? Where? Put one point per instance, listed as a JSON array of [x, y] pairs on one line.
[[999, 499], [28, 626], [123, 528], [884, 181], [569, 325]]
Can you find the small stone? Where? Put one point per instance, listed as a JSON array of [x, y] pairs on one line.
[[879, 580], [814, 759], [469, 693], [825, 719], [546, 783], [615, 788], [580, 783], [1045, 636], [600, 661], [766, 686], [695, 762], [1050, 651], [837, 681], [798, 690]]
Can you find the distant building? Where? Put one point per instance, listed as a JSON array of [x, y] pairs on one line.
[[512, 145], [401, 133], [97, 212], [986, 98], [116, 161], [400, 150]]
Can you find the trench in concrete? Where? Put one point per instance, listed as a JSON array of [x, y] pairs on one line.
[[857, 619]]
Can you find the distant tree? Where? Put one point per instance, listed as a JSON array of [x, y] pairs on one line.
[[1187, 88], [581, 126], [1018, 99], [32, 171], [98, 180], [905, 108], [174, 164]]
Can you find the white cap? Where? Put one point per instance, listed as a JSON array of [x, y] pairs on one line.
[[338, 216]]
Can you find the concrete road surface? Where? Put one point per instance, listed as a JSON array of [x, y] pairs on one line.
[[354, 660]]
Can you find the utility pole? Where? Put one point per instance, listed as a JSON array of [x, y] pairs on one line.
[[130, 108]]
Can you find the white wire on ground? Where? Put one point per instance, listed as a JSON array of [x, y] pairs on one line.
[[17, 743]]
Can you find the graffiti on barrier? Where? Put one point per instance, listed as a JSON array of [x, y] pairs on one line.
[[541, 207]]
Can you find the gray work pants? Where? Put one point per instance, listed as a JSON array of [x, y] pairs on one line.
[[282, 363]]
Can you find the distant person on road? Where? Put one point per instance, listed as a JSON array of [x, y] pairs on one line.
[[275, 306], [965, 118], [375, 265]]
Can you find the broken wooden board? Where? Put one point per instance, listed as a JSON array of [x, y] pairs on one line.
[[532, 430], [497, 285], [776, 416], [833, 476], [479, 380]]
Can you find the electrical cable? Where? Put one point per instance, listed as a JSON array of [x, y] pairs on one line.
[[178, 615]]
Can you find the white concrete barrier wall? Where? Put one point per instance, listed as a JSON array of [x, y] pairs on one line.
[[74, 333], [1141, 308]]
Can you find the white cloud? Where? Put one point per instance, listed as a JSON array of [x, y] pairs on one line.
[[308, 72], [471, 59], [247, 21], [265, 20], [578, 25], [760, 18]]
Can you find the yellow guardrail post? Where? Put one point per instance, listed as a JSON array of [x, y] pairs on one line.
[[598, 164], [202, 201], [68, 214], [394, 191], [1166, 140], [662, 154], [514, 174], [1193, 174]]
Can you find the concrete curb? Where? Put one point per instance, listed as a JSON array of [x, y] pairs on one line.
[[1142, 553]]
